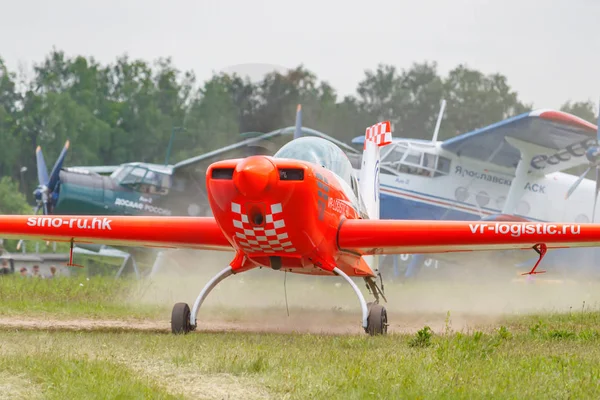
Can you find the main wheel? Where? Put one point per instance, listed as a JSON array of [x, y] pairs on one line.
[[377, 320], [180, 319]]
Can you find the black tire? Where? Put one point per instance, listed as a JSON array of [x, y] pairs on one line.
[[377, 320], [180, 319]]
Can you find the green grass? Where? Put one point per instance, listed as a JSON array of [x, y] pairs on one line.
[[79, 296], [552, 356], [78, 378]]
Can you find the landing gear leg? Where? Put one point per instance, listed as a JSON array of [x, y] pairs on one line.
[[374, 318], [182, 319], [377, 321], [374, 289]]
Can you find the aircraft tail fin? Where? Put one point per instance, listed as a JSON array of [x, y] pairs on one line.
[[376, 136], [298, 129]]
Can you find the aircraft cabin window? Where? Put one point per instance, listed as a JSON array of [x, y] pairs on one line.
[[414, 161], [428, 161], [151, 178], [135, 176], [394, 155], [120, 173], [143, 179], [157, 183], [443, 166], [411, 162]]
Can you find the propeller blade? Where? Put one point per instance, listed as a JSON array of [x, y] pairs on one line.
[[298, 128], [57, 167], [42, 170], [596, 193], [577, 182]]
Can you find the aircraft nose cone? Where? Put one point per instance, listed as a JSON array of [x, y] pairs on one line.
[[254, 175]]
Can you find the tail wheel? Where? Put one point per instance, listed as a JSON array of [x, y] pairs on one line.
[[180, 319], [377, 321]]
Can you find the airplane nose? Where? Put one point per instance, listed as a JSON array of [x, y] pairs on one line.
[[254, 175]]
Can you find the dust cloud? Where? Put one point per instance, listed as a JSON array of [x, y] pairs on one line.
[[455, 297]]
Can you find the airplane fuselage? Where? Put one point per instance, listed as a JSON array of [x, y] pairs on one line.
[[81, 192], [284, 214], [470, 192]]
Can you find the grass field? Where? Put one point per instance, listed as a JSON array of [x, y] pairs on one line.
[[550, 355]]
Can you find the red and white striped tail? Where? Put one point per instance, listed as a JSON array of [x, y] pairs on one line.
[[380, 134]]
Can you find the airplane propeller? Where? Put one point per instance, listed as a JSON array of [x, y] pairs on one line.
[[47, 184], [593, 156]]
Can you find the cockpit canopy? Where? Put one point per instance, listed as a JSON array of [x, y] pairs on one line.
[[321, 152], [143, 178]]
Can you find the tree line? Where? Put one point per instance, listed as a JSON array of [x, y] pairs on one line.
[[126, 110]]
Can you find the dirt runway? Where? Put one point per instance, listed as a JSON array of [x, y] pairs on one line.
[[257, 301], [275, 321]]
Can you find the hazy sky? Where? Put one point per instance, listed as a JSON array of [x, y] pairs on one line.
[[549, 50]]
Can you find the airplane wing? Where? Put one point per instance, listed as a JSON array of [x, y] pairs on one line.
[[402, 237], [358, 236], [557, 139], [200, 163], [101, 169], [196, 166], [200, 233]]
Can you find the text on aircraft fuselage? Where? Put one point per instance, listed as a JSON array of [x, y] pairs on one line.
[[486, 176]]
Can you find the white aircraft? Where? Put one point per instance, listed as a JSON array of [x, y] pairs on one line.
[[510, 170]]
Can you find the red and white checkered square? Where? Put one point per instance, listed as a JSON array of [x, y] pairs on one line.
[[272, 237], [380, 133]]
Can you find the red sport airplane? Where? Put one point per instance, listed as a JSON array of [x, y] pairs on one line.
[[303, 211]]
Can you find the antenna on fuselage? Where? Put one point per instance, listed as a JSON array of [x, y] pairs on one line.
[[173, 130], [436, 131], [298, 128]]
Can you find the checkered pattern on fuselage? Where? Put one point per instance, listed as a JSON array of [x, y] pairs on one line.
[[272, 237]]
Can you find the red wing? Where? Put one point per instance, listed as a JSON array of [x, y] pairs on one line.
[[169, 232], [401, 237]]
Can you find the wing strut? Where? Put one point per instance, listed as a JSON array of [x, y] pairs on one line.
[[70, 263], [541, 249], [517, 187]]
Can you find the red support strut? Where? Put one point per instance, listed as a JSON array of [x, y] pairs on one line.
[[70, 263], [541, 249]]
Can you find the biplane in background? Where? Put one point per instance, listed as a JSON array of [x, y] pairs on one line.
[[256, 201], [508, 171]]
